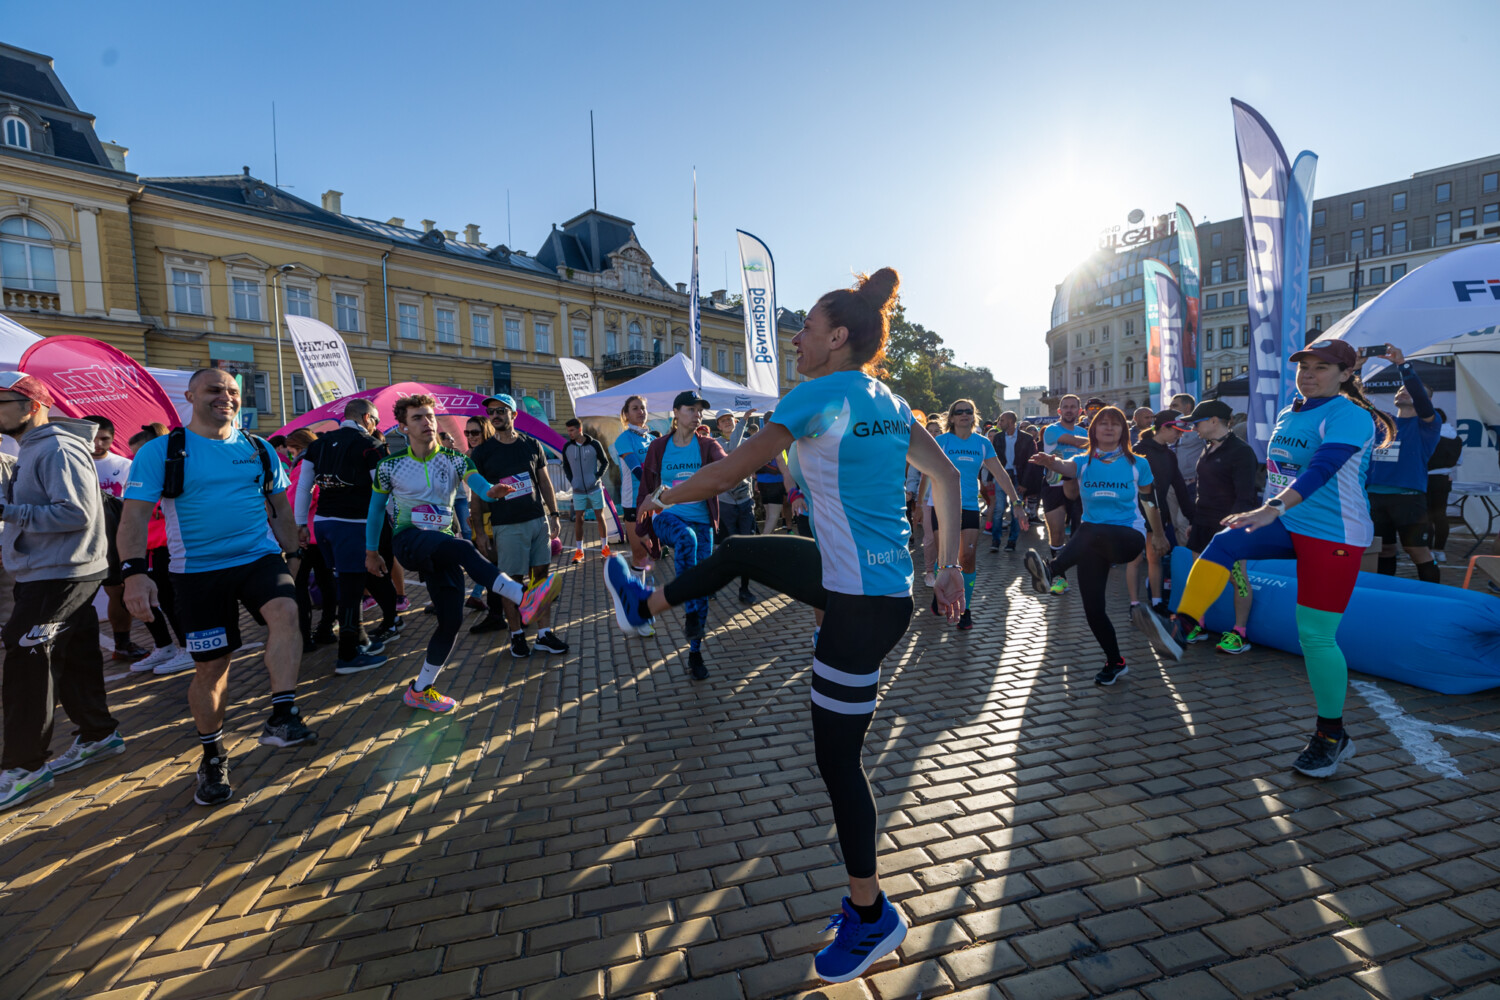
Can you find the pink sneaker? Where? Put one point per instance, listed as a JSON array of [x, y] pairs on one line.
[[367, 604], [429, 700], [403, 605], [538, 597]]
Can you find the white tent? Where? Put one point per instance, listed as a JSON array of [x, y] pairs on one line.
[[1476, 414], [661, 385]]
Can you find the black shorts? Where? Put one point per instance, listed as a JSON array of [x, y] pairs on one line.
[[209, 602], [1204, 528], [1402, 515], [772, 493], [967, 520], [627, 514], [414, 549], [1054, 498]]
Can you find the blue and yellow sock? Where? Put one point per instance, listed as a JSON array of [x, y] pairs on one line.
[[969, 588]]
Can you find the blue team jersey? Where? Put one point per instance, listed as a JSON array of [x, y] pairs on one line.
[[852, 435], [220, 519], [1401, 466], [631, 443], [1110, 490], [677, 466], [1338, 511], [967, 455], [1063, 451]]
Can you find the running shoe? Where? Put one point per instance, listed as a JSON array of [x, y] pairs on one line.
[[577, 555], [995, 547], [1010, 546], [1040, 572], [18, 784], [646, 631], [604, 552], [213, 782], [551, 642], [163, 654], [1198, 634], [928, 580], [857, 945], [402, 604], [325, 635], [696, 665], [386, 633], [367, 604], [286, 730], [1111, 673], [518, 647], [1059, 586], [129, 651], [489, 623], [476, 604], [1233, 643], [429, 699], [695, 624], [371, 645], [538, 597], [1323, 755], [81, 753], [627, 594], [746, 597], [365, 660], [1157, 632], [965, 623], [177, 664]]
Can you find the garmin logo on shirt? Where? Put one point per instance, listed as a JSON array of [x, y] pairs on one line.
[[1291, 442], [875, 428]]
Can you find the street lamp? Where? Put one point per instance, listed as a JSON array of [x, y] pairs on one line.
[[280, 373]]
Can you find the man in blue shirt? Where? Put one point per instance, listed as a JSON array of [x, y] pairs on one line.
[[227, 528], [1397, 484]]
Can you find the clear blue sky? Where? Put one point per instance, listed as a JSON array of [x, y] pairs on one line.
[[975, 147]]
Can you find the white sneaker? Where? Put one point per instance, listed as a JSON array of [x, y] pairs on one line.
[[17, 785], [646, 631], [160, 655], [178, 663], [1441, 557]]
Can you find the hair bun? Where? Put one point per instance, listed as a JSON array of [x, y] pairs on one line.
[[879, 289]]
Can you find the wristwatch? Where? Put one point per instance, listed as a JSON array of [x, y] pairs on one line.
[[1277, 504]]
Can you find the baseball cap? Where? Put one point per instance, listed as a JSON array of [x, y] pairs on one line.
[[502, 399], [688, 397], [1165, 417], [26, 385], [1338, 352], [1207, 408]]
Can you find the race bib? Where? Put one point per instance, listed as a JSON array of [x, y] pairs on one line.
[[207, 640], [431, 516], [1392, 453], [1279, 478], [682, 477], [521, 484]]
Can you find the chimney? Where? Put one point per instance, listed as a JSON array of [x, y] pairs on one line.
[[396, 220], [471, 234], [246, 170], [427, 225], [333, 201], [116, 154], [719, 295], [450, 234], [682, 288]]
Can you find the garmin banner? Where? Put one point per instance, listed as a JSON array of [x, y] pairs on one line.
[[1164, 371], [758, 279], [1187, 281], [324, 357], [578, 377]]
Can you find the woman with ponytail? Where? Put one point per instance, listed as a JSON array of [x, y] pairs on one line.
[[853, 439], [1317, 461]]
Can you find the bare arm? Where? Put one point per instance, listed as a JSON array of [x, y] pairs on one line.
[[720, 477], [130, 539], [283, 524], [1063, 468], [1002, 479]]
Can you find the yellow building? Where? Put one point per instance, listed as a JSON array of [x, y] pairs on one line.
[[186, 272]]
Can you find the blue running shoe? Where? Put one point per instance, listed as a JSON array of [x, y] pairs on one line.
[[627, 594], [859, 945]]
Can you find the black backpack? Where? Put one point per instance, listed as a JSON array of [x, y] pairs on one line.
[[174, 475], [1446, 454]]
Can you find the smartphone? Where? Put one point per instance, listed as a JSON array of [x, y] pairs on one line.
[[1373, 351]]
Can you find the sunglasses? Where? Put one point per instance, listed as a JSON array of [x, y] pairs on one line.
[[963, 413], [472, 434]]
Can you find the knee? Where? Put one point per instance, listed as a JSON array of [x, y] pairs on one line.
[[280, 613]]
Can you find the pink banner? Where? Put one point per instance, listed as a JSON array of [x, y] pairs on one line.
[[90, 378]]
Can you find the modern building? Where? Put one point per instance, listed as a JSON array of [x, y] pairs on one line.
[[187, 272], [1361, 242]]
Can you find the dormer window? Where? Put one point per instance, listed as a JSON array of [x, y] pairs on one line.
[[17, 132]]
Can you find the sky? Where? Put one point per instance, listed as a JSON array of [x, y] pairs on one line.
[[978, 148]]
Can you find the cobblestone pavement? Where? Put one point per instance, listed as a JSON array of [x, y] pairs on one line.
[[596, 825]]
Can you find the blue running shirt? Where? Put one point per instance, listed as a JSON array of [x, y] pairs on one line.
[[1338, 511], [631, 443], [220, 519], [1110, 490], [1063, 451], [1401, 466], [852, 435], [677, 466], [967, 455]]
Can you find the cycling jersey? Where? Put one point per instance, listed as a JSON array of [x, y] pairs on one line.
[[967, 455], [423, 488], [1063, 451], [1338, 510], [1110, 489]]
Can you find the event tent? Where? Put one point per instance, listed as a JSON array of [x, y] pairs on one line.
[[660, 386]]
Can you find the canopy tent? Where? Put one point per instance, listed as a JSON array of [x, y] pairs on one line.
[[1476, 392], [660, 386]]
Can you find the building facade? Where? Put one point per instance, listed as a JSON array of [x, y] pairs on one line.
[[1028, 402], [189, 272], [1361, 242]]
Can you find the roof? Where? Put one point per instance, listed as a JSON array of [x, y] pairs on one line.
[[28, 81], [585, 242]]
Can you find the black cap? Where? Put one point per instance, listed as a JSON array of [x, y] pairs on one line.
[[1093, 401], [1164, 417], [1209, 408], [688, 397]]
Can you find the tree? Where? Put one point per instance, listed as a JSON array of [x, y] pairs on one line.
[[961, 382], [912, 355]]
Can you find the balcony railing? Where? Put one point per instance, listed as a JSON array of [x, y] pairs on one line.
[[27, 300], [631, 359]]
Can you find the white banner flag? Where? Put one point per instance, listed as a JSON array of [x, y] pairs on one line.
[[324, 358], [758, 279], [579, 379]]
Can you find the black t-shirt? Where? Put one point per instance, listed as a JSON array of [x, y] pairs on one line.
[[521, 464], [342, 461]]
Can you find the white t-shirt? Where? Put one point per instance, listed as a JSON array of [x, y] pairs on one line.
[[114, 471]]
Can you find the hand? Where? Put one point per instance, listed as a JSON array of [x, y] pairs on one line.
[[949, 591], [1393, 354], [1040, 458], [1251, 519], [303, 539], [500, 490], [554, 526], [374, 564], [798, 506], [1159, 546], [140, 596], [1020, 516]]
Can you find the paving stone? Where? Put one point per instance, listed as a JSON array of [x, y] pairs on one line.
[[983, 962], [1254, 977], [1113, 970], [1321, 958], [1056, 983], [1380, 941], [1402, 979], [1247, 935], [1182, 952], [1462, 964]]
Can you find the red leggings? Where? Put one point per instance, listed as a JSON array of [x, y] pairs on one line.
[[1326, 571]]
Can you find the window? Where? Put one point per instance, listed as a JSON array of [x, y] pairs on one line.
[[1130, 328], [1443, 193], [548, 401], [1215, 272], [1232, 269], [1319, 217], [1491, 214], [1078, 378], [1078, 339], [298, 300], [1377, 240], [1208, 340], [677, 347], [1129, 370], [1091, 336], [408, 321], [26, 259], [637, 341], [580, 342], [1443, 231], [513, 341], [1397, 270], [1465, 217], [1226, 337], [480, 333], [1104, 332], [187, 291], [1315, 285], [1318, 251], [1491, 183], [1398, 237], [299, 394], [1245, 335], [656, 348], [257, 394], [1225, 374], [346, 311], [1377, 275], [1211, 300], [246, 298], [1208, 378], [543, 334], [1105, 374], [723, 360], [1244, 369], [17, 133], [611, 341], [1398, 201], [447, 326], [1357, 210], [1092, 376], [739, 362], [1356, 241], [1216, 240], [791, 368], [1318, 321]]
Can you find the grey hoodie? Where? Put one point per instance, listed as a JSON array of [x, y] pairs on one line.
[[54, 511]]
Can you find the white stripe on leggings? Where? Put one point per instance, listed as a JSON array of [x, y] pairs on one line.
[[844, 707], [838, 676]]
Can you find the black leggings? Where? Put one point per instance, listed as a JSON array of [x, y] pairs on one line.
[[1094, 548], [857, 634], [1438, 488], [310, 559], [442, 559]]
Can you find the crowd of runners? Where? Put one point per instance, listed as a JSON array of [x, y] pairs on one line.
[[206, 522]]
